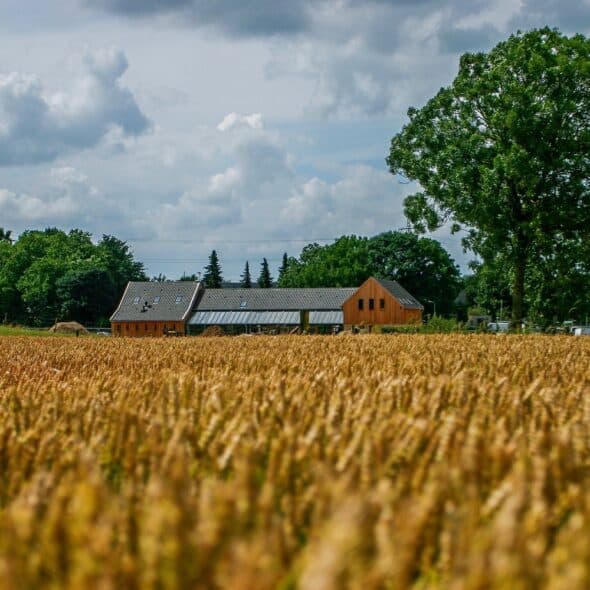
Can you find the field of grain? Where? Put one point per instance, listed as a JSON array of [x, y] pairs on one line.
[[312, 463]]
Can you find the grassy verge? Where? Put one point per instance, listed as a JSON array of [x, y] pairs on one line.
[[23, 331]]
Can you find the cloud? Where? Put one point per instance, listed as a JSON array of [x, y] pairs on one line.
[[569, 15], [246, 18], [235, 120], [69, 198], [39, 127], [364, 201], [366, 58], [259, 170]]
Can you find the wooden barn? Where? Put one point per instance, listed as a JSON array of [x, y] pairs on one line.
[[155, 309], [179, 307], [379, 302]]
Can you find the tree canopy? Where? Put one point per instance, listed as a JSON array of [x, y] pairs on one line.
[[503, 153], [48, 275], [421, 265]]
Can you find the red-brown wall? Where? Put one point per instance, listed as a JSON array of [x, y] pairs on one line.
[[393, 313], [144, 329]]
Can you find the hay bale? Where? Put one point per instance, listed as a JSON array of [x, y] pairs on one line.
[[69, 328]]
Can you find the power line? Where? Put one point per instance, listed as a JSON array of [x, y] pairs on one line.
[[197, 241]]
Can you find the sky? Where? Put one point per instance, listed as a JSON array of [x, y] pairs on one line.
[[251, 127]]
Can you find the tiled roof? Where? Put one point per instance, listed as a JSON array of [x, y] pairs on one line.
[[273, 299], [407, 300], [156, 302]]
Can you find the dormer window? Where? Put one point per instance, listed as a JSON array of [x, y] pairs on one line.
[[136, 300]]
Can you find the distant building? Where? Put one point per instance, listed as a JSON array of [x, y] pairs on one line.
[[182, 307], [155, 309]]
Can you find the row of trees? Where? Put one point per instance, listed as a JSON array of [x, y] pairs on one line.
[[213, 275], [421, 265], [52, 275]]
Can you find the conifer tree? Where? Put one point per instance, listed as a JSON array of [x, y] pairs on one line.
[[212, 278], [284, 267], [264, 280], [245, 278]]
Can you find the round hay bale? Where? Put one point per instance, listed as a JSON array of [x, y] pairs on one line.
[[69, 328]]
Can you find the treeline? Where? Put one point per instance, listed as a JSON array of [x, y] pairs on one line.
[[420, 265], [52, 275]]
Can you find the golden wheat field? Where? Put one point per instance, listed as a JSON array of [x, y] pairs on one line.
[[312, 463]]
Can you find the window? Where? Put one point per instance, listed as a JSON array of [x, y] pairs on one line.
[[243, 304], [361, 304], [136, 300], [156, 299], [371, 304], [179, 299], [381, 303]]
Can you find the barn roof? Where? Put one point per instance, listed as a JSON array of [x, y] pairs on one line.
[[407, 300], [274, 299], [156, 301]]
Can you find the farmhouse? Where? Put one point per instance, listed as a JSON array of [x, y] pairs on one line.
[[180, 307]]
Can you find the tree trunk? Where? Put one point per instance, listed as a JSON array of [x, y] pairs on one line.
[[518, 291]]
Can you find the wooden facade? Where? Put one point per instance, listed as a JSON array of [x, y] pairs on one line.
[[147, 329], [373, 305]]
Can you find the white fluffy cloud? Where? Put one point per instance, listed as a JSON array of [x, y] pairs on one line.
[[235, 120], [36, 126]]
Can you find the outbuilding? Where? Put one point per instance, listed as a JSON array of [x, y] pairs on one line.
[[276, 309], [155, 308]]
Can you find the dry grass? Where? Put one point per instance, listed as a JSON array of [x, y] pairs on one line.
[[315, 463]]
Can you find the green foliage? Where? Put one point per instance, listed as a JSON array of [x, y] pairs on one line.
[[264, 280], [440, 325], [421, 265], [341, 264], [502, 153], [212, 277], [5, 235], [50, 275], [245, 278]]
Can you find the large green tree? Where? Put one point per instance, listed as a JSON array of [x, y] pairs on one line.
[[503, 152], [341, 264], [421, 265]]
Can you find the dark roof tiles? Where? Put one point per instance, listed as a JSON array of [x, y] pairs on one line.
[[407, 300], [274, 299], [154, 301]]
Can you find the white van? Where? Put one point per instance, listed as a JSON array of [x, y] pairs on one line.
[[498, 326]]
